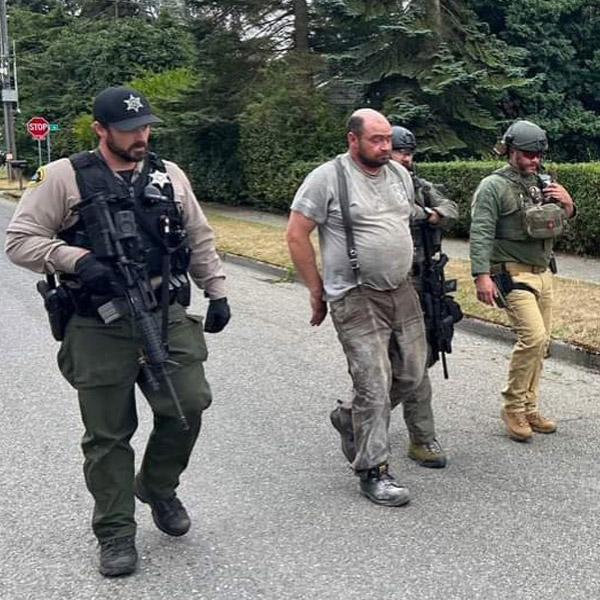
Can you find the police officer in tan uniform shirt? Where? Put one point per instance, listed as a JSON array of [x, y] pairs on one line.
[[102, 360]]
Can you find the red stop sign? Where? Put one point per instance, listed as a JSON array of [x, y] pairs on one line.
[[37, 128]]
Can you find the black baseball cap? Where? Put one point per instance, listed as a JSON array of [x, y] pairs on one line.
[[123, 108]]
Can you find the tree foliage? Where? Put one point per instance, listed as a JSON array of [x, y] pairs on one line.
[[254, 90], [285, 123], [431, 66], [563, 60], [64, 61]]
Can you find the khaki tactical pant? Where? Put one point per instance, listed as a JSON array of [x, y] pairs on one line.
[[101, 362], [530, 316], [383, 337]]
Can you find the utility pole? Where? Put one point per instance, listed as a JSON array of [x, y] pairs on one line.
[[9, 92]]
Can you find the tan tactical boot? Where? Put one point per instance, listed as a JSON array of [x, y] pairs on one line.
[[517, 426], [540, 424], [428, 454]]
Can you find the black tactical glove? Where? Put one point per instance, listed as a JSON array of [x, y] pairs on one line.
[[97, 277], [217, 315]]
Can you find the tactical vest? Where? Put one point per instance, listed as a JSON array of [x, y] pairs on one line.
[[525, 216], [150, 196]]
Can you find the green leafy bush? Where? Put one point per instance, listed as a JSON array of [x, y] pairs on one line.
[[286, 123]]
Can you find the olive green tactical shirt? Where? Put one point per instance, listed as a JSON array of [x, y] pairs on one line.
[[426, 195], [496, 199], [445, 208], [45, 210]]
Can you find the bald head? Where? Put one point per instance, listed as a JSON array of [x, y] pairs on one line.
[[369, 139], [364, 117]]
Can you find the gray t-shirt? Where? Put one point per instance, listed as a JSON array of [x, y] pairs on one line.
[[381, 207]]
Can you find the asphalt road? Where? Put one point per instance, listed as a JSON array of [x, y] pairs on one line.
[[276, 512]]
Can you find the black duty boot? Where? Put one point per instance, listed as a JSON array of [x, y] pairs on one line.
[[380, 487], [341, 419], [169, 514], [118, 556]]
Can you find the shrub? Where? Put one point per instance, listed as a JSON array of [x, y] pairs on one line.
[[286, 123], [461, 178]]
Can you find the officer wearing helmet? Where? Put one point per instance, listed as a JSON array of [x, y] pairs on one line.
[[424, 448], [517, 213], [60, 229], [441, 211]]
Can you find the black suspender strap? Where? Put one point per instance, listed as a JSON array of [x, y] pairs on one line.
[[345, 208]]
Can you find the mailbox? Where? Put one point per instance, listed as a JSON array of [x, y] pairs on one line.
[[18, 164]]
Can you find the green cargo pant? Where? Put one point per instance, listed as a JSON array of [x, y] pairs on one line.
[[101, 362]]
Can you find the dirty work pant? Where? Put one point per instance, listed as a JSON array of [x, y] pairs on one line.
[[368, 323], [101, 362], [530, 316]]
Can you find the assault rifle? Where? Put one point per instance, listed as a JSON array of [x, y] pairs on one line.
[[440, 310], [115, 239]]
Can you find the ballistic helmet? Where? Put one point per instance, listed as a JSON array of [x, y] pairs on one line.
[[403, 139], [123, 108], [524, 135]]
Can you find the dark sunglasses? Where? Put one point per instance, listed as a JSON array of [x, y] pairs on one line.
[[531, 154]]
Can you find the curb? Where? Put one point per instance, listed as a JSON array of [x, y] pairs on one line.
[[558, 349], [259, 265]]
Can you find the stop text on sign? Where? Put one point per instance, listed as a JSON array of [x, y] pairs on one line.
[[38, 128]]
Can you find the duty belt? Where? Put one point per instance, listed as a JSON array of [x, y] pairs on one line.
[[87, 305], [516, 267]]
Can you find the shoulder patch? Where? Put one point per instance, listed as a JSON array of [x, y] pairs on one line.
[[38, 177]]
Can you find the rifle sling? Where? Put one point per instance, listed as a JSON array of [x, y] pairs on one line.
[[164, 297], [347, 219]]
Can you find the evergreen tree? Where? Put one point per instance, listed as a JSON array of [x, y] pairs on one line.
[[428, 64], [63, 61], [563, 59], [284, 23]]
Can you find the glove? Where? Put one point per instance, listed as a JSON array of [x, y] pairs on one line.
[[95, 276], [217, 315]]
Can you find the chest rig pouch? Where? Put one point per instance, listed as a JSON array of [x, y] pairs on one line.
[[149, 199], [544, 221], [541, 220]]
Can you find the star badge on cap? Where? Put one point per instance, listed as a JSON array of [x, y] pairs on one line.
[[159, 178], [133, 103]]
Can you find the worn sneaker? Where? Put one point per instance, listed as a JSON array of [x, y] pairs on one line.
[[428, 455], [380, 487], [540, 424], [517, 426], [169, 514], [341, 419], [118, 556]]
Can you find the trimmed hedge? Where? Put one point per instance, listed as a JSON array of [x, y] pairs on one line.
[[582, 180], [461, 178]]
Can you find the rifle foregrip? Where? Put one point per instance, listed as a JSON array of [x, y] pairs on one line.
[[154, 348]]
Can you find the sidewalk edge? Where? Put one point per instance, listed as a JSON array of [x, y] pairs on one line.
[[558, 349]]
